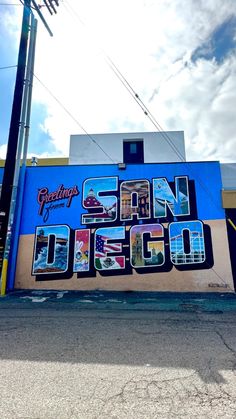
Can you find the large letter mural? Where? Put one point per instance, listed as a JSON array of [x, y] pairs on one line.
[[156, 249], [118, 227], [106, 244], [163, 197], [102, 209], [51, 250], [135, 199], [193, 240], [82, 250]]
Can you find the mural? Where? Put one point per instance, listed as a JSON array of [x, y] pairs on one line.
[[81, 251], [92, 200], [135, 199], [49, 201], [155, 248], [124, 225], [187, 244], [146, 241], [51, 250], [163, 197], [104, 247]]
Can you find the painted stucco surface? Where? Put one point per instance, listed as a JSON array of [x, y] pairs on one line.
[[61, 201]]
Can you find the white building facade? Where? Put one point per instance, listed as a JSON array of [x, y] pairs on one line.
[[138, 147]]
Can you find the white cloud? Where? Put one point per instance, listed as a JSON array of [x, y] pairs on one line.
[[10, 20], [3, 151], [151, 42], [201, 99]]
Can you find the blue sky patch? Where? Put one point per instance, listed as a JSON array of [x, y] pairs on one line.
[[40, 141], [221, 42], [7, 82], [8, 57]]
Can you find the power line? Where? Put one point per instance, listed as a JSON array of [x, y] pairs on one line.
[[74, 119], [10, 4], [147, 113], [94, 141], [73, 11], [9, 66], [154, 121], [138, 100], [142, 105], [128, 86]]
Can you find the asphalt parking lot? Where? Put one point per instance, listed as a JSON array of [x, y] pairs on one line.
[[63, 358]]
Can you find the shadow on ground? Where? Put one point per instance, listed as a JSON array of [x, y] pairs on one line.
[[64, 332]]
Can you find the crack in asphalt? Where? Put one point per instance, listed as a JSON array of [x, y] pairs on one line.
[[232, 351], [169, 394]]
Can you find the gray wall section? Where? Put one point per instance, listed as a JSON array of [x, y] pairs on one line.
[[159, 147], [228, 173]]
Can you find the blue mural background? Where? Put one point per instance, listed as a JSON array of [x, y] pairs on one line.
[[206, 177]]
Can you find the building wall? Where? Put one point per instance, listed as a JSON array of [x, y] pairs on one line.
[[53, 161], [228, 173], [158, 227], [229, 199], [158, 147]]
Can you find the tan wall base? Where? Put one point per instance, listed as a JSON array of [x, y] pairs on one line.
[[217, 279], [229, 199]]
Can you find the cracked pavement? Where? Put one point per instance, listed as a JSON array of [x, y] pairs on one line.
[[62, 362]]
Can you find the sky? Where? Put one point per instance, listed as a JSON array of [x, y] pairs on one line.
[[179, 56]]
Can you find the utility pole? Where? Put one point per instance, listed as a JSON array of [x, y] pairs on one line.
[[9, 170], [13, 138]]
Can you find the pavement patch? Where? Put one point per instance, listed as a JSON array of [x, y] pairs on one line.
[[141, 301]]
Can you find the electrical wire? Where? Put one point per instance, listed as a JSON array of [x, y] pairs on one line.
[[127, 85], [8, 66], [157, 125], [74, 119], [143, 106], [9, 4], [94, 141], [150, 116], [139, 101]]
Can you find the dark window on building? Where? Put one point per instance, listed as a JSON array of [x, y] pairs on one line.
[[133, 151]]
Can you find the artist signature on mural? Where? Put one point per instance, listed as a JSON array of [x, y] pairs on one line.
[[45, 197]]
